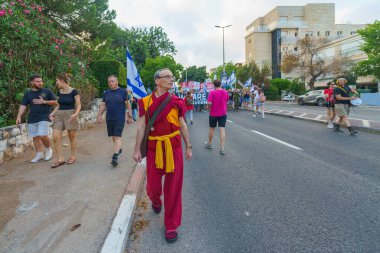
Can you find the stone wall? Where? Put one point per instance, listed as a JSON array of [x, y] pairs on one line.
[[14, 140]]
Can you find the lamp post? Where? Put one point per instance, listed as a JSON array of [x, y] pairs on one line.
[[224, 67]]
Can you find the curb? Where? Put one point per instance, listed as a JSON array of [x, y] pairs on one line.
[[118, 236]]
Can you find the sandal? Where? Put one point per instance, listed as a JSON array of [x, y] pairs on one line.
[[171, 236], [57, 164], [71, 160]]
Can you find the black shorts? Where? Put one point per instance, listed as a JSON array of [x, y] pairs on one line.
[[329, 105], [115, 127], [221, 120]]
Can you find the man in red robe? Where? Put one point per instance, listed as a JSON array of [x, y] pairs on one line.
[[164, 155]]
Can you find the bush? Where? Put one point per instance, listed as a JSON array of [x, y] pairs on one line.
[[104, 68], [272, 93], [280, 84], [298, 88], [33, 43]]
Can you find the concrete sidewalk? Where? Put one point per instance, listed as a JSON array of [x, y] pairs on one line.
[[67, 209]]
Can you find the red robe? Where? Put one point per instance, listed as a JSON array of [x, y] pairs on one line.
[[166, 123]]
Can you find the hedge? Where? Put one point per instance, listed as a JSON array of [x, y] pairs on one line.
[[104, 68]]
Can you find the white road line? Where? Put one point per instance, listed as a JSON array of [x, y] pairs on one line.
[[230, 121], [277, 140], [319, 116], [366, 123], [287, 113], [303, 114]]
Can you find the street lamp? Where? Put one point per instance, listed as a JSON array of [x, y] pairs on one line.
[[224, 67]]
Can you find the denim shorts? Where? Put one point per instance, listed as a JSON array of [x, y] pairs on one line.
[[39, 129]]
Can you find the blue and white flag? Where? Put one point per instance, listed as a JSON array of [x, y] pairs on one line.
[[133, 78], [232, 79], [248, 82], [215, 77]]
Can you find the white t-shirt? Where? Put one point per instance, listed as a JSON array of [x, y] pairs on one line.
[[256, 93]]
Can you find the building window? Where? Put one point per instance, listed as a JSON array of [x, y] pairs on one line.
[[352, 33], [339, 33], [327, 33], [295, 34], [318, 33], [249, 41], [295, 49]]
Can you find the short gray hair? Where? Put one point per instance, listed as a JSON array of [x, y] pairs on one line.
[[112, 76], [157, 74]]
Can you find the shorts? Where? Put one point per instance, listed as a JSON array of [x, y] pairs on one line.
[[61, 120], [342, 110], [259, 103], [115, 127], [221, 120], [246, 100], [39, 129], [329, 105]]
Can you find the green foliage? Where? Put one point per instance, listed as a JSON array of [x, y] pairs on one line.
[[86, 18], [280, 84], [259, 76], [154, 64], [272, 93], [350, 76], [194, 73], [371, 47], [142, 43], [103, 69], [296, 87], [230, 66], [33, 43]]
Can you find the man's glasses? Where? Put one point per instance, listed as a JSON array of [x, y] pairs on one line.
[[167, 77]]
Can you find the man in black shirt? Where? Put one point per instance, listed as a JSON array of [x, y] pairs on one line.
[[39, 100], [342, 105]]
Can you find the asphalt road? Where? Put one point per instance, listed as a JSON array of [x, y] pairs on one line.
[[316, 191]]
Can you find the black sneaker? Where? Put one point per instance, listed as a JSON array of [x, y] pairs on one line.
[[352, 131], [337, 128], [115, 160], [120, 151]]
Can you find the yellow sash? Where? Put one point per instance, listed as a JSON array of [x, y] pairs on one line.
[[168, 150]]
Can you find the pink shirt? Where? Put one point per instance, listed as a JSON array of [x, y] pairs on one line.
[[218, 99]]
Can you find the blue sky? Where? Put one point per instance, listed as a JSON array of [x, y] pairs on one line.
[[190, 23]]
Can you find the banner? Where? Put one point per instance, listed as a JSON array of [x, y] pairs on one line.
[[198, 98], [191, 85]]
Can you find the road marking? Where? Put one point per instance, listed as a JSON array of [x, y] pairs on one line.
[[366, 123], [277, 140], [303, 114], [319, 116], [287, 113], [230, 121]]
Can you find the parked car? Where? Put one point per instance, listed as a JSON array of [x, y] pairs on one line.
[[312, 97], [289, 97]]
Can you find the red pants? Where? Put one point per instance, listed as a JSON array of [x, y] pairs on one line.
[[172, 187]]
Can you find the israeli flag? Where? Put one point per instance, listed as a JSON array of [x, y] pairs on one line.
[[248, 82], [133, 78], [231, 79], [215, 77]]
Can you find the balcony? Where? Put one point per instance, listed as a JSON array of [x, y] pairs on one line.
[[289, 40], [286, 24]]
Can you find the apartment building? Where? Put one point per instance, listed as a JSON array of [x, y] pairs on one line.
[[269, 37]]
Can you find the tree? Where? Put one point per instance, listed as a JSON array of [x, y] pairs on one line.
[[194, 73], [309, 62], [259, 76], [230, 66], [87, 18], [154, 64], [371, 47], [142, 43]]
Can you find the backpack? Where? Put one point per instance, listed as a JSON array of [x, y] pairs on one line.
[[189, 101], [262, 98]]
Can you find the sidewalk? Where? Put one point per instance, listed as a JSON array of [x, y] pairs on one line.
[[368, 125], [40, 206]]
